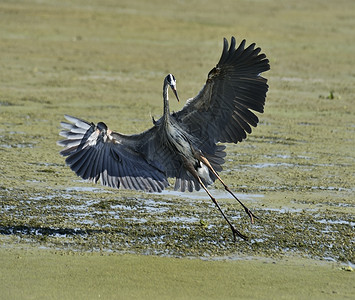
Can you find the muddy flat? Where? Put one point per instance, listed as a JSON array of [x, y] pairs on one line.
[[62, 237]]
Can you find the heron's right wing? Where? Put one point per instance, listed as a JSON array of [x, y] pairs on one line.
[[130, 161]]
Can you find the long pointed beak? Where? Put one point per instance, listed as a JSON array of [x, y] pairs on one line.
[[175, 92]]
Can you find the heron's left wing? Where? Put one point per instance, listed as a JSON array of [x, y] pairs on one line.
[[221, 112], [96, 153]]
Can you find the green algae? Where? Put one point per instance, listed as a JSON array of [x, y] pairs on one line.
[[43, 274], [106, 61]]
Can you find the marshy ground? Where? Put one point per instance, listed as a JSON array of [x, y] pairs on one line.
[[105, 61]]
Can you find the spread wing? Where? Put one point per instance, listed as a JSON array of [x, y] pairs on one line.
[[221, 112], [96, 153]]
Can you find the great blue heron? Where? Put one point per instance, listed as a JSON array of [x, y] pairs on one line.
[[183, 145]]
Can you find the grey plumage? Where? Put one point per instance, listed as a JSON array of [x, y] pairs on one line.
[[178, 143]]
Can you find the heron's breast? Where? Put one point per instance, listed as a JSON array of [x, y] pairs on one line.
[[179, 141]]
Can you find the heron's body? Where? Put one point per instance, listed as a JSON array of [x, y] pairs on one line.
[[179, 140], [185, 144]]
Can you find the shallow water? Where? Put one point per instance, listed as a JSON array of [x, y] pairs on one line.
[[217, 194], [169, 224]]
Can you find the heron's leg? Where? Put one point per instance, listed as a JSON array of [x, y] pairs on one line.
[[234, 231], [247, 210], [189, 167]]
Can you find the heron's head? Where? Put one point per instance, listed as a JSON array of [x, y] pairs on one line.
[[170, 79], [102, 127]]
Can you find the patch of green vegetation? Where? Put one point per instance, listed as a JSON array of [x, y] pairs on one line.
[[43, 274]]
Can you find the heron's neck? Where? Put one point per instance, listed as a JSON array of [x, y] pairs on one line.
[[166, 102]]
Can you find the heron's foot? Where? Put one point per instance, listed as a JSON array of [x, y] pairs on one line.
[[251, 215], [238, 233]]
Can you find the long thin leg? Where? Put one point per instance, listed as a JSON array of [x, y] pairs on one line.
[[234, 231], [247, 210]]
